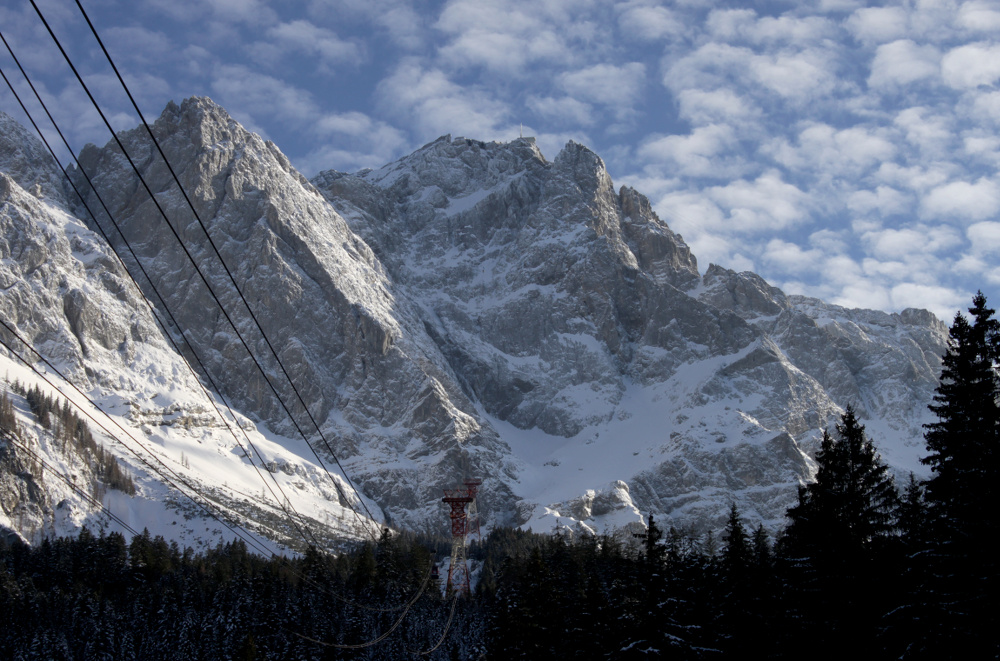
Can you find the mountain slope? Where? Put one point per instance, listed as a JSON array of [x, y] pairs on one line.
[[357, 353], [573, 311], [474, 309], [65, 294]]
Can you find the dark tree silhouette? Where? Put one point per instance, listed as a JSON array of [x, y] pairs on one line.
[[960, 578]]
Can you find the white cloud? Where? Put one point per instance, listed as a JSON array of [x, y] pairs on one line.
[[607, 84], [508, 54], [864, 294], [839, 6], [792, 258], [842, 271], [138, 43], [801, 76], [961, 200], [876, 25], [398, 19], [978, 270], [506, 36], [984, 238], [971, 65], [883, 201], [702, 107], [694, 154], [942, 301], [402, 23], [903, 62], [915, 177], [379, 140], [795, 75], [833, 153], [241, 89], [730, 24], [927, 130], [710, 66], [933, 20], [690, 214], [562, 110], [649, 22], [438, 106], [231, 12], [745, 25], [982, 147], [766, 204], [986, 106], [910, 242], [979, 16], [305, 37], [829, 241]]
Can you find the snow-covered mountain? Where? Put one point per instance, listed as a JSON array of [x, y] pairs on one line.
[[472, 309]]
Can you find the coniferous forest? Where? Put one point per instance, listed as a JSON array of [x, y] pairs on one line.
[[864, 568]]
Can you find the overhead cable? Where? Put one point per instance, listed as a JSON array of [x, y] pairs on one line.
[[234, 528], [212, 292], [297, 521]]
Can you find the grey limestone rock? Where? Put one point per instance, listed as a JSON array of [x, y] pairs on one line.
[[354, 349], [472, 309]]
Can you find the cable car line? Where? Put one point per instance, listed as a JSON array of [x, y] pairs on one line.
[[153, 311], [14, 441], [387, 633], [218, 254], [201, 275], [252, 543], [298, 521], [152, 456], [156, 203], [212, 292], [447, 627]]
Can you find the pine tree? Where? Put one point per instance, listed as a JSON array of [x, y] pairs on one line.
[[655, 552], [912, 516], [736, 620], [850, 507], [835, 548], [960, 584], [763, 558], [963, 442], [737, 553]]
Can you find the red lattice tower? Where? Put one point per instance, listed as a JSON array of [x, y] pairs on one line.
[[458, 569], [472, 525]]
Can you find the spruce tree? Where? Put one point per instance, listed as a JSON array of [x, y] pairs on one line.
[[737, 553], [736, 620], [960, 583], [963, 442], [849, 510], [834, 550]]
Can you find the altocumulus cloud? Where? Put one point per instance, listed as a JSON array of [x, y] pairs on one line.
[[818, 143]]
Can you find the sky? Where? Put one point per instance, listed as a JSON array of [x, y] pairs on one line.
[[839, 150]]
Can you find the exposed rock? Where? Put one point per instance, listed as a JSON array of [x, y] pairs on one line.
[[472, 309]]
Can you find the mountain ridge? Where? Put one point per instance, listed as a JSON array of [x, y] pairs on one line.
[[474, 309]]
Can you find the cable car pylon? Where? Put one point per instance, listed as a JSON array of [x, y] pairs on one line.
[[463, 523]]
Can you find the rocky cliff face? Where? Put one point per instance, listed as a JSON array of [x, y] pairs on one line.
[[475, 309], [356, 351], [64, 292], [542, 281]]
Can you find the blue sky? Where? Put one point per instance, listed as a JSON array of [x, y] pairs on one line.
[[840, 150]]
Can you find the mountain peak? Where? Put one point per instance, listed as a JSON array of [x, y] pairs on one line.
[[26, 160], [474, 309]]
